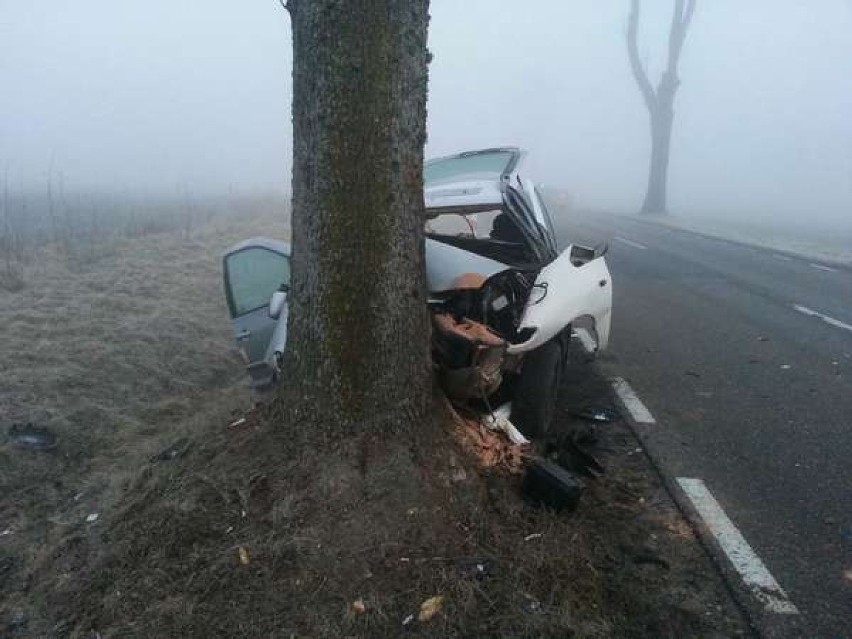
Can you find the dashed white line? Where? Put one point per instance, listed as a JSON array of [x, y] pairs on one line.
[[588, 342], [630, 243], [632, 403], [825, 318], [822, 267], [753, 572]]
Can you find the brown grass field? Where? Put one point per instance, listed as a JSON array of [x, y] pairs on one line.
[[119, 355]]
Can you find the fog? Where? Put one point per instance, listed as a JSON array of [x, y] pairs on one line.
[[173, 95]]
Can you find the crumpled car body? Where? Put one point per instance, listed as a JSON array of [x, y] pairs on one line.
[[499, 286]]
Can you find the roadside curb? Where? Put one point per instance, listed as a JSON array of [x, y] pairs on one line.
[[796, 255], [762, 624]]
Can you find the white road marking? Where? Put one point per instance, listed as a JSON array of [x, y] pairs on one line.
[[754, 574], [588, 342], [783, 258], [630, 243], [824, 318], [632, 403], [822, 267]]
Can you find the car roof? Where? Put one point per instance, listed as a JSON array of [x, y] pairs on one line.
[[278, 246]]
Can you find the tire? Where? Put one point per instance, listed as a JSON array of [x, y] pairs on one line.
[[537, 387]]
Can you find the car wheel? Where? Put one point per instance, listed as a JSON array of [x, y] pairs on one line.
[[537, 387]]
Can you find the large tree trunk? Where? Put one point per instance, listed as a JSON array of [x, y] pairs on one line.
[[359, 330]]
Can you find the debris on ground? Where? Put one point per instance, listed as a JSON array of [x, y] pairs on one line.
[[499, 420], [429, 608], [549, 485], [359, 607], [492, 449], [476, 568], [249, 420], [175, 451], [243, 553], [572, 451], [601, 414], [31, 437]]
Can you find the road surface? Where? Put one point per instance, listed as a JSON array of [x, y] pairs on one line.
[[744, 357]]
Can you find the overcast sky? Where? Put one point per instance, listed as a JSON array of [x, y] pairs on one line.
[[181, 94]]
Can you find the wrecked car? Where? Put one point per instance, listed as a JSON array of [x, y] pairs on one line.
[[503, 298]]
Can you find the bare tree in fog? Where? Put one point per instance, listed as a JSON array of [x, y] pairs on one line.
[[660, 102]]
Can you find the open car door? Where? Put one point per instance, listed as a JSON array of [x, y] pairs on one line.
[[253, 270]]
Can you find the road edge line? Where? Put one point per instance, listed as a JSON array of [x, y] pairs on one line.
[[638, 411], [742, 599], [753, 572]]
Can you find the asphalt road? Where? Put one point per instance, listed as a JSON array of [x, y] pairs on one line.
[[751, 394]]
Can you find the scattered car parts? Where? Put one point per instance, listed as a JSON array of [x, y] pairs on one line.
[[549, 485]]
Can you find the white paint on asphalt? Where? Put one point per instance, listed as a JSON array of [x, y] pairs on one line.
[[630, 243], [588, 342], [824, 318], [754, 573], [822, 267], [632, 403]]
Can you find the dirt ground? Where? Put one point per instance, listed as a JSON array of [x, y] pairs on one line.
[[266, 529]]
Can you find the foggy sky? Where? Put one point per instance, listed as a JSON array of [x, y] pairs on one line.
[[174, 94]]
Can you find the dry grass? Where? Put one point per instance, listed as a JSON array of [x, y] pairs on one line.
[[119, 356]]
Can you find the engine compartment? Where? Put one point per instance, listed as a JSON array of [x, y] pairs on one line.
[[473, 325]]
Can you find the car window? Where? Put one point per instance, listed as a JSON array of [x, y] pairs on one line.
[[477, 224], [253, 275], [476, 166]]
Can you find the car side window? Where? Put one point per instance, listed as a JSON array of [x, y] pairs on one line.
[[253, 275]]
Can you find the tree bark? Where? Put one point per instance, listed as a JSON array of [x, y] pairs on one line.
[[660, 102], [358, 337]]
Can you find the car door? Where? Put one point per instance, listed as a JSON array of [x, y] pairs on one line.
[[253, 271]]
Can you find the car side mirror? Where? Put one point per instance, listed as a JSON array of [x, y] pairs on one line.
[[276, 304]]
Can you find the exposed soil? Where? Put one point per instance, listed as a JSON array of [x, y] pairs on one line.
[[280, 527]]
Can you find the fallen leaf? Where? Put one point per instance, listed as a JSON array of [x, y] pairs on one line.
[[244, 556], [359, 607], [429, 608]]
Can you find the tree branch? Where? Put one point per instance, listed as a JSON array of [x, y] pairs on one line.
[[636, 67], [682, 16], [687, 17]]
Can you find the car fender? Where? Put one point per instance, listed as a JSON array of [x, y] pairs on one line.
[[564, 291]]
